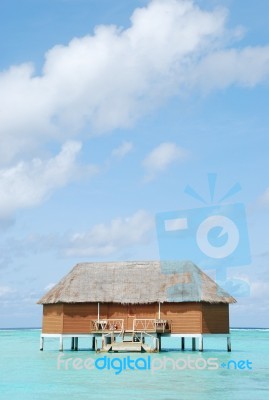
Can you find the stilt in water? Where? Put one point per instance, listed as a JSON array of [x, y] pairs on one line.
[[72, 343], [41, 343], [193, 344], [93, 343], [61, 343], [201, 348], [182, 343], [159, 337], [229, 346]]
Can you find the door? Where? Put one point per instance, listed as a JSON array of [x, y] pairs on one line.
[[131, 315]]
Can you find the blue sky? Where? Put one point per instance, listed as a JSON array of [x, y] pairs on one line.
[[108, 110]]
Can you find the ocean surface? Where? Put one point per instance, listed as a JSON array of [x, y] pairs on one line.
[[26, 373]]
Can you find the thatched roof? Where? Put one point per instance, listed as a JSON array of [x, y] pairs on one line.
[[137, 282]]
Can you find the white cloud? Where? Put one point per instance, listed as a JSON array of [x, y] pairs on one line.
[[259, 289], [122, 150], [103, 239], [115, 76], [6, 290], [28, 183], [160, 158], [49, 286], [107, 239], [246, 67]]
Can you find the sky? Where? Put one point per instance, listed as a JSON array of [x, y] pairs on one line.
[[108, 111]]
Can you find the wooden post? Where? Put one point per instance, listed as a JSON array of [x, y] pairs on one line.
[[93, 343], [107, 340], [156, 343], [182, 343], [61, 343], [159, 316], [72, 343], [229, 346], [193, 344], [76, 344], [98, 312], [159, 337], [201, 348], [41, 343]]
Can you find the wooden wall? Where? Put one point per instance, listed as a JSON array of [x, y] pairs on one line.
[[52, 318], [77, 317], [184, 317], [131, 311], [215, 318]]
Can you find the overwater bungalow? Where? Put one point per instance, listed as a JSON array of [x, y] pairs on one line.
[[130, 306]]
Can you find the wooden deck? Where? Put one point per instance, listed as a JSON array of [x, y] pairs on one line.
[[127, 341], [126, 347], [122, 347]]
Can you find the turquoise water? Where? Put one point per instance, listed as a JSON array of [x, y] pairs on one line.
[[27, 373]]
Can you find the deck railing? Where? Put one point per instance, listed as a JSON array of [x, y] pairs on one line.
[[139, 325], [108, 325], [150, 325]]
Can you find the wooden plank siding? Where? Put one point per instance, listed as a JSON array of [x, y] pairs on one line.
[[215, 318], [52, 318], [141, 311], [184, 317], [78, 316]]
